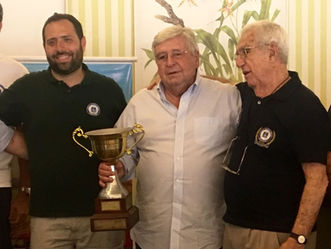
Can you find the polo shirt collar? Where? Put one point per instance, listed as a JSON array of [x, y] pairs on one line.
[[84, 81], [286, 91]]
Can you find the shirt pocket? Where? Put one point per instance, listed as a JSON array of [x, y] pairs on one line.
[[205, 130]]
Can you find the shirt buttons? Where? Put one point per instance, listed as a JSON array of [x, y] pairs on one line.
[[259, 102]]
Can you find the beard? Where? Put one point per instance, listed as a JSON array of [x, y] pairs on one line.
[[68, 67]]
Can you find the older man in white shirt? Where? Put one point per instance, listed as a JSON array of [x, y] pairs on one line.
[[189, 122]]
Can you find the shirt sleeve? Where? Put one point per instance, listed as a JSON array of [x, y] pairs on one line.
[[130, 161], [310, 132], [6, 135]]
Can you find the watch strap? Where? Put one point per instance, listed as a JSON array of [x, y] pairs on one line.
[[300, 238]]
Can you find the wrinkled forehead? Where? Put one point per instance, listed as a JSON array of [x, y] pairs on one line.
[[174, 43], [247, 39]]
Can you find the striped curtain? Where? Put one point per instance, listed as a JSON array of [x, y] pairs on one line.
[[107, 24], [310, 44]]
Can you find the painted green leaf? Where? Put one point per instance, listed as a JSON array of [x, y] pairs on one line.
[[274, 16], [231, 48], [224, 55], [147, 63], [230, 33], [206, 39], [208, 67], [149, 53], [214, 59], [237, 5], [247, 15], [221, 19], [227, 68]]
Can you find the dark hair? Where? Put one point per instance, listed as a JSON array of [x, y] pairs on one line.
[[1, 13], [57, 17]]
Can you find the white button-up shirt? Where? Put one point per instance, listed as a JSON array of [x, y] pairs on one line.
[[5, 135], [180, 174]]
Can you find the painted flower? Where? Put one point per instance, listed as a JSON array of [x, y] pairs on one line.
[[227, 7]]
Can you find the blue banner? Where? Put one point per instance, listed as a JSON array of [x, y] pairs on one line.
[[120, 72]]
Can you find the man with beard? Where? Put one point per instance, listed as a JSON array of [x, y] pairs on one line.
[[51, 104]]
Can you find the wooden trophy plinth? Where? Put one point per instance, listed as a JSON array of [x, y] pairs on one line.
[[115, 213], [117, 220], [111, 205]]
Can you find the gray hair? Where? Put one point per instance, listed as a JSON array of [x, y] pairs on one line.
[[174, 31], [267, 32]]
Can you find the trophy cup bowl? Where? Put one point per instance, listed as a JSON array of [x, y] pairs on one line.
[[114, 209]]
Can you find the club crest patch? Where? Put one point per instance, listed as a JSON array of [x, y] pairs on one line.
[[264, 137], [93, 109]]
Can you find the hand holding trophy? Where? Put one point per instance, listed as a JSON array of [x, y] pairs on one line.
[[114, 209]]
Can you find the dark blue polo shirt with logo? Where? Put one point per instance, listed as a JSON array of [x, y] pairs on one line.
[[64, 180], [276, 135]]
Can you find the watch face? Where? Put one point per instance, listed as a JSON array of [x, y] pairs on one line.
[[301, 239]]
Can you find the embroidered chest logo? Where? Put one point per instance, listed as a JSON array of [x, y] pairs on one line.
[[93, 109], [2, 88], [264, 137]]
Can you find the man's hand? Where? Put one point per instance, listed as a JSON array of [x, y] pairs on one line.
[[154, 82], [19, 208], [105, 172]]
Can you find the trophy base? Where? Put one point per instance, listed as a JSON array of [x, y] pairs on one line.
[[115, 220], [111, 205]]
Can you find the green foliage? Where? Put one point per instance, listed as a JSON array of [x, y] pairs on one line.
[[218, 55], [215, 59], [150, 56]]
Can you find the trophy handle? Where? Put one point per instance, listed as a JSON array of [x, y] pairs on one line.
[[137, 128], [80, 133]]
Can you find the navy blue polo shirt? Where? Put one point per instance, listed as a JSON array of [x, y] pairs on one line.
[[278, 133], [64, 180]]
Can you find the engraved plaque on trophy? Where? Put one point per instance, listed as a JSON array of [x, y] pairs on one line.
[[114, 209]]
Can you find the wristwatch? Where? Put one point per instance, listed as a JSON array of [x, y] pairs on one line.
[[300, 238]]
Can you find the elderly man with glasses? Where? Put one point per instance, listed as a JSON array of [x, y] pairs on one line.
[[276, 165]]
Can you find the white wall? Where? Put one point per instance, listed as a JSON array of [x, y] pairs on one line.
[[22, 24]]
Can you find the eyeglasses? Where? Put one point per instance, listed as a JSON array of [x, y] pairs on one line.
[[229, 155], [175, 55], [244, 52]]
